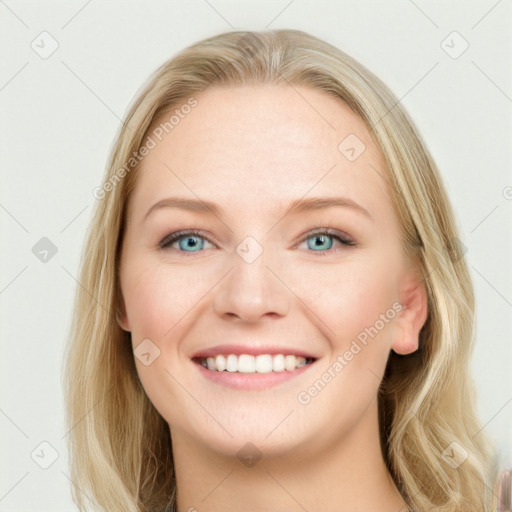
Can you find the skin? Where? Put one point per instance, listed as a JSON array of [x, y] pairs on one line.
[[253, 150]]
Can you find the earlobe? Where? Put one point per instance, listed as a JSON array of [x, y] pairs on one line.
[[122, 317], [414, 300]]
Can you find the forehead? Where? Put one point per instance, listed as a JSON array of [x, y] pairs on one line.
[[263, 144]]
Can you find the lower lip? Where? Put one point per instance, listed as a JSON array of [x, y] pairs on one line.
[[251, 381]]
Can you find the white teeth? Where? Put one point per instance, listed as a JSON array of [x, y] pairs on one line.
[[244, 363], [263, 363], [289, 363], [278, 363], [232, 363], [220, 362]]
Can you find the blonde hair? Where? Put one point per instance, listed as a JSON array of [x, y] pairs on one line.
[[120, 447]]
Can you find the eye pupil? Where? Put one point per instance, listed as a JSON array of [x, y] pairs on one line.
[[323, 240], [189, 245]]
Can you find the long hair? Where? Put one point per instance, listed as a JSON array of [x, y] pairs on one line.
[[120, 448]]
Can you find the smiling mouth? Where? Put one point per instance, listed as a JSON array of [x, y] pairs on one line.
[[245, 363]]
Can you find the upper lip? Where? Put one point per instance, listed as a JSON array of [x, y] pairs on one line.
[[254, 350]]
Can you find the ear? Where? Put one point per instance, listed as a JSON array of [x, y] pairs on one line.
[[412, 317], [122, 317]]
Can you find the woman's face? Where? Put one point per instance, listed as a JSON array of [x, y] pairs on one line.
[[326, 281]]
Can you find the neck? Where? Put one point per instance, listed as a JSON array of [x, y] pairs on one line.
[[350, 475]]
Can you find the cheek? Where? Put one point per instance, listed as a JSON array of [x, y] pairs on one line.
[[357, 306], [157, 297], [349, 297]]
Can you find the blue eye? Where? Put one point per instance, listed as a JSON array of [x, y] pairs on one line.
[[186, 240], [323, 241], [192, 241]]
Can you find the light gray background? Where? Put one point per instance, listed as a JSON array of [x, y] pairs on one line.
[[59, 117]]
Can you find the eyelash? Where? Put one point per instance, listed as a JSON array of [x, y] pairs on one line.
[[178, 235]]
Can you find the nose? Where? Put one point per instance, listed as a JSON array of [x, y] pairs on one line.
[[251, 291]]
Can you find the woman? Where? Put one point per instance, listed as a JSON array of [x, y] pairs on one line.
[[274, 311]]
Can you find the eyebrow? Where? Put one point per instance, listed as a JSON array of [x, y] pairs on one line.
[[296, 206]]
